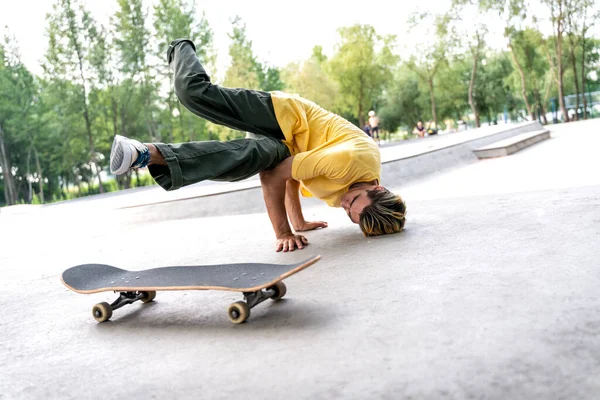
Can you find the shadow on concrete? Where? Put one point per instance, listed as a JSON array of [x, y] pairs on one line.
[[286, 314]]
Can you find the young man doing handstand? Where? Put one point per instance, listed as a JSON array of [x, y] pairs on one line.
[[295, 146]]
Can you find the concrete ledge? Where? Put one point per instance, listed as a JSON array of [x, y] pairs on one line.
[[430, 155], [511, 145]]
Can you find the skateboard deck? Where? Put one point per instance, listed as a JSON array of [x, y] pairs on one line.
[[257, 281]]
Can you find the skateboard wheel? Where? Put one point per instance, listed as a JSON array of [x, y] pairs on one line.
[[102, 312], [238, 312], [280, 290], [148, 296]]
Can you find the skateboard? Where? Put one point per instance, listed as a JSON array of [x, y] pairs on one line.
[[257, 281]]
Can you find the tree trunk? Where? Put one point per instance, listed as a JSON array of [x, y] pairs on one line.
[[523, 81], [115, 112], [98, 171], [181, 125], [171, 124], [150, 123], [27, 176], [432, 97], [541, 110], [559, 62], [39, 170], [10, 191], [78, 183], [172, 106], [583, 77], [123, 180], [561, 95], [574, 61], [127, 181], [361, 117], [86, 116], [472, 86]]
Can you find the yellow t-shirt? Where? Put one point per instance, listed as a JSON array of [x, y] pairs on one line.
[[330, 153]]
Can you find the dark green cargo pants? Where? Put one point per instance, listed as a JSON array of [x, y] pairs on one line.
[[245, 110]]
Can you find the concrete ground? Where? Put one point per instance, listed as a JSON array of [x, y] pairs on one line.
[[492, 291]]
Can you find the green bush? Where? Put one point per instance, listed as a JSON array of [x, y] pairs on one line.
[[109, 186]]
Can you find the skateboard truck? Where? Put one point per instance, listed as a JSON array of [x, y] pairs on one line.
[[103, 311], [238, 312]]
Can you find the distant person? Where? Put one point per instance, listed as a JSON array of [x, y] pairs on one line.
[[420, 129], [367, 129], [299, 148], [374, 124]]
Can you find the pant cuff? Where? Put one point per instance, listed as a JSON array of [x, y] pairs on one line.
[[174, 180]]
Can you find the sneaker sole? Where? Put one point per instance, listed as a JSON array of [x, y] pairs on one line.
[[118, 154]]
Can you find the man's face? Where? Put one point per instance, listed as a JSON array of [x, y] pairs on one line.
[[419, 124], [355, 201]]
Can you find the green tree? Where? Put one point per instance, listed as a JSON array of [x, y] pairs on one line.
[[177, 19], [108, 98], [558, 17], [310, 80], [431, 54], [588, 20], [17, 97], [271, 79], [475, 48], [522, 75], [70, 30], [362, 67], [493, 90], [242, 73], [469, 35], [572, 27], [514, 14], [402, 103], [132, 40], [102, 59], [23, 144], [527, 52], [452, 87], [426, 66], [580, 18]]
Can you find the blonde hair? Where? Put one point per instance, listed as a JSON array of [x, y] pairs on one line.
[[385, 214]]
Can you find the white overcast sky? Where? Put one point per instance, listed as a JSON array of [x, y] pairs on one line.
[[281, 31]]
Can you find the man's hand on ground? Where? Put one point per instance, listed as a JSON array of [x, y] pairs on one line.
[[309, 226], [289, 242]]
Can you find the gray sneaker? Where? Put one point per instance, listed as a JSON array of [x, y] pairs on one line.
[[125, 153]]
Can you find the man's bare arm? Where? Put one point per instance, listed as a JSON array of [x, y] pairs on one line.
[[294, 209], [273, 184]]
